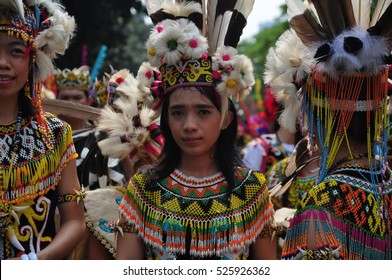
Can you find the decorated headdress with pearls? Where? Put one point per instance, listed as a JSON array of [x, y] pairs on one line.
[[75, 78], [331, 64], [193, 43]]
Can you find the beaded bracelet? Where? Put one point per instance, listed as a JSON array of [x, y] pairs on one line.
[[126, 227], [265, 232], [78, 195]]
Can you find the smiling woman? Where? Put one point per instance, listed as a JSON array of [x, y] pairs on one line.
[[14, 65], [37, 155]]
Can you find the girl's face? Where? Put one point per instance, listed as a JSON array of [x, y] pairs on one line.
[[194, 122], [14, 65]]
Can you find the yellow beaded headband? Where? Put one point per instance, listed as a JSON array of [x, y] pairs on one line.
[[24, 27], [75, 78], [187, 73]]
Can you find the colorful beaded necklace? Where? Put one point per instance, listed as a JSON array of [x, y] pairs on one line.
[[195, 181], [14, 149]]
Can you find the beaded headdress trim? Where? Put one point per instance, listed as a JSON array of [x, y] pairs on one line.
[[16, 25], [75, 78], [187, 73]]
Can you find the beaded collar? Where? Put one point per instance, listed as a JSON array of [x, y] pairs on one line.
[[347, 159], [191, 181]]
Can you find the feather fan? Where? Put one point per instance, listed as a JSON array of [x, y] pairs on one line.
[[286, 182], [305, 25], [57, 106], [299, 155], [379, 10], [362, 12], [226, 20], [296, 162]]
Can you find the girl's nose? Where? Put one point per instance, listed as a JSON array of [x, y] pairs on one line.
[[3, 61], [190, 122]]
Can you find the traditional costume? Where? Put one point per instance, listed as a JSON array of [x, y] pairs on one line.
[[184, 217], [337, 55], [34, 150], [95, 170]]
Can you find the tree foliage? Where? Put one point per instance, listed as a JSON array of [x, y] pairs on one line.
[[118, 24], [258, 47]]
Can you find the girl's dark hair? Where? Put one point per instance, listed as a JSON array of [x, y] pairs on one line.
[[227, 154], [357, 130], [25, 103]]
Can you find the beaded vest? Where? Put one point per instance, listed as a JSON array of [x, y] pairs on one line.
[[197, 218], [30, 188]]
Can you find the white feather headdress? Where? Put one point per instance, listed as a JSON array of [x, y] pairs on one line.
[[193, 43], [131, 126], [337, 54], [332, 36]]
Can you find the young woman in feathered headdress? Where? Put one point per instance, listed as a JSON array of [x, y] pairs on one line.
[[339, 59], [195, 201], [37, 158]]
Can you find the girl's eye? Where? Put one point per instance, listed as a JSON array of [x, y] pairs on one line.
[[176, 113], [18, 51], [204, 112]]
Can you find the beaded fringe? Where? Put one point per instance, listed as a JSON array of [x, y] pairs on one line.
[[209, 237], [333, 233], [36, 177]]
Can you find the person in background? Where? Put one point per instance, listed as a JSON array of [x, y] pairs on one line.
[[37, 156], [73, 86], [266, 150], [342, 73], [130, 134], [192, 202], [95, 170]]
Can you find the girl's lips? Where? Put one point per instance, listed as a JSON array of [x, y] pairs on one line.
[[191, 140], [6, 79]]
